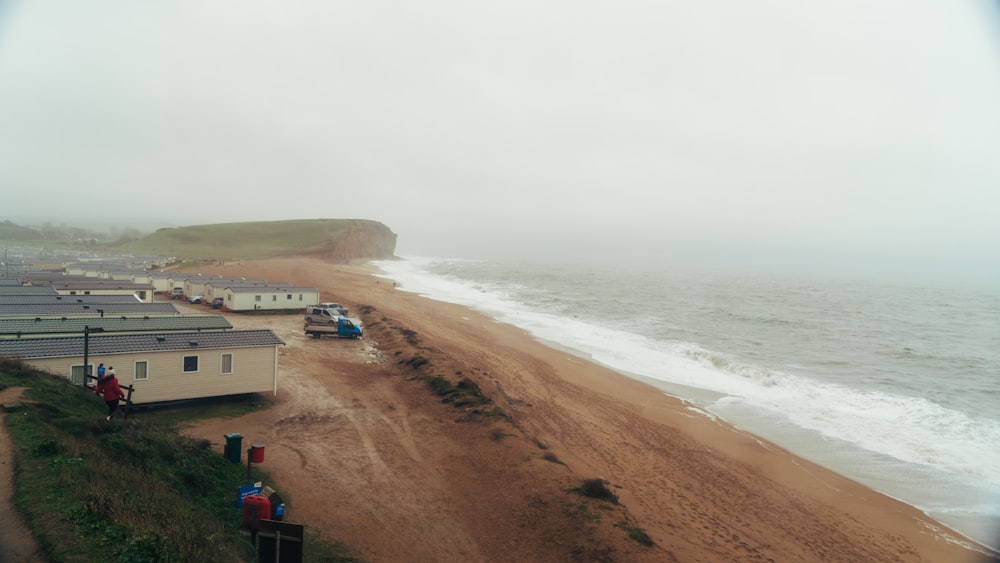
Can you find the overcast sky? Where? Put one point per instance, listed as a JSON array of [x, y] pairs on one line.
[[854, 131]]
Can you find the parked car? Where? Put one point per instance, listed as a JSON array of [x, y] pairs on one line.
[[218, 302], [196, 299], [335, 306]]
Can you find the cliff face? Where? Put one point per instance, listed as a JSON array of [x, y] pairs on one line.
[[363, 240]]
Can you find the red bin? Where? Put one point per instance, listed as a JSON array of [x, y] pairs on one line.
[[257, 453], [255, 509]]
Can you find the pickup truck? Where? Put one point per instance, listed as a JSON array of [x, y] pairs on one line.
[[342, 327]]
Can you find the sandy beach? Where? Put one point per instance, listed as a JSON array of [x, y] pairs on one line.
[[364, 453]]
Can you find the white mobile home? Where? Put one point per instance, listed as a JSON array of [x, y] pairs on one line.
[[164, 366], [142, 291], [195, 285], [160, 281], [215, 288], [241, 298]]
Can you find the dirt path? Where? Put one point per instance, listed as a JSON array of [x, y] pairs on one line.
[[17, 545]]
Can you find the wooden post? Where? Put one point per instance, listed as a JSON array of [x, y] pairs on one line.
[[128, 400]]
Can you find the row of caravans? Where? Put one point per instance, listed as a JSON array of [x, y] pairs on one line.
[[162, 354], [237, 294]]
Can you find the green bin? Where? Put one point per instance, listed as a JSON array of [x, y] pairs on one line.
[[234, 447]]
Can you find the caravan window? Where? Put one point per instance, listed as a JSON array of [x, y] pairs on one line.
[[76, 373], [141, 370]]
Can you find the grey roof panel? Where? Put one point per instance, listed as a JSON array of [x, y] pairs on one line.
[[57, 299], [72, 346], [18, 289], [31, 326], [78, 309], [102, 285]]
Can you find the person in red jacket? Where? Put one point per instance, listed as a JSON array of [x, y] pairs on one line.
[[110, 391]]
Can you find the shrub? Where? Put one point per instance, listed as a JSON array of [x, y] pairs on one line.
[[598, 488], [636, 534], [409, 335], [47, 448], [551, 457], [13, 365], [416, 362], [442, 386]]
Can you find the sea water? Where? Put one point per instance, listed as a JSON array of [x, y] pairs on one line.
[[894, 385]]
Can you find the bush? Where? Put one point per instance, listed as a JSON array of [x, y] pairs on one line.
[[636, 534], [551, 457], [598, 488], [48, 448], [416, 362], [14, 366]]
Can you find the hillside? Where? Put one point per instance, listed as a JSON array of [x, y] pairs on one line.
[[329, 239]]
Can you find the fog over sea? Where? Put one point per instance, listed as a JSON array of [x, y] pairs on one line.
[[895, 386]]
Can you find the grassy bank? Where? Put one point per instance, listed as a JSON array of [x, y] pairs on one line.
[[249, 240], [126, 490]]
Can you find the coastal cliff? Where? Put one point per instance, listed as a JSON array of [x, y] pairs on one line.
[[362, 240], [338, 240]]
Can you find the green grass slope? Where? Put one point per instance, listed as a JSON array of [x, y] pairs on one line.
[[258, 239], [130, 490]]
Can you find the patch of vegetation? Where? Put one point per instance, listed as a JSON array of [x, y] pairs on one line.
[[464, 393], [442, 386], [127, 490], [583, 509], [416, 362], [590, 551], [636, 534], [494, 411], [498, 435], [596, 488], [551, 457], [9, 364], [409, 335]]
